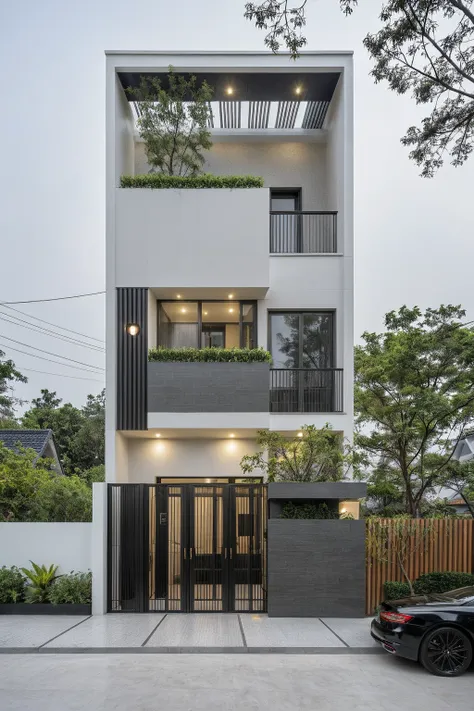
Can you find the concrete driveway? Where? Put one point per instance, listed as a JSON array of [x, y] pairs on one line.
[[260, 682]]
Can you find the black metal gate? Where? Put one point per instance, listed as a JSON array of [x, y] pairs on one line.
[[187, 548]]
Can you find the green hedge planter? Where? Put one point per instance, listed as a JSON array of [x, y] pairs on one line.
[[158, 181], [209, 355], [429, 583]]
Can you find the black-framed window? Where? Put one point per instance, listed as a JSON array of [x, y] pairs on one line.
[[302, 339], [204, 324], [285, 199]]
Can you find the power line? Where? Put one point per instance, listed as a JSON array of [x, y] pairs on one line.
[[58, 362], [56, 355], [44, 331], [57, 298], [61, 375], [55, 325]]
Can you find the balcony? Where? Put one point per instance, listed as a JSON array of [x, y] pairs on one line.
[[306, 390], [299, 232]]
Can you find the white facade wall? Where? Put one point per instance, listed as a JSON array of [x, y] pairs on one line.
[[149, 458], [192, 238], [282, 164], [68, 545]]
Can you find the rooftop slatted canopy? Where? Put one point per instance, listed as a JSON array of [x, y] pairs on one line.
[[279, 100]]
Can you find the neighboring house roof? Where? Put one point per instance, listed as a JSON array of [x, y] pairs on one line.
[[41, 441]]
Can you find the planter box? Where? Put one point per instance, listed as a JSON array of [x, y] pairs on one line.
[[208, 387], [316, 568], [337, 490], [24, 608]]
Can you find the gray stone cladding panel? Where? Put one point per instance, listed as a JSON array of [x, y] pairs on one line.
[[208, 387], [316, 568]]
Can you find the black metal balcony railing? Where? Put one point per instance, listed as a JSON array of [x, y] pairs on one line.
[[306, 390], [303, 232]]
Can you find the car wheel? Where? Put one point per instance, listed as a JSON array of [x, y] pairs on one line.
[[446, 651]]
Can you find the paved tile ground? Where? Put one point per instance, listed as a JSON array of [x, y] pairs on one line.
[[126, 682], [176, 632]]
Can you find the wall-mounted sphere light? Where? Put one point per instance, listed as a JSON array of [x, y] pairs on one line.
[[133, 329]]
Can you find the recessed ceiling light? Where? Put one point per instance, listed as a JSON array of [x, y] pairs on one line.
[[231, 311], [231, 296], [178, 296], [157, 434], [300, 434], [232, 436], [183, 311], [229, 90], [298, 90], [205, 313]]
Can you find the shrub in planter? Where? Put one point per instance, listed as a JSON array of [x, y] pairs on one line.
[[12, 585], [159, 181], [74, 589], [40, 580], [208, 355], [442, 582], [395, 590], [308, 511]]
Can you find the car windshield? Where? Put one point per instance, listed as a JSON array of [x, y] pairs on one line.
[[459, 595]]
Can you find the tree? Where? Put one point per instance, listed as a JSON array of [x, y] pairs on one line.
[[414, 397], [318, 455], [174, 122], [396, 541], [79, 433], [8, 374], [425, 47], [31, 491]]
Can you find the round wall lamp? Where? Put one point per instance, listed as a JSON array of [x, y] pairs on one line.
[[133, 329]]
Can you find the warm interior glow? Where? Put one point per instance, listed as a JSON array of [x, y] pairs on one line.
[[351, 508], [133, 329]]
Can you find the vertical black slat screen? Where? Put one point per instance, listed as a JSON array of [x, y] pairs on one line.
[[132, 359]]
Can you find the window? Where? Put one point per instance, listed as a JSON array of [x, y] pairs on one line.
[[302, 339], [207, 324], [285, 200]]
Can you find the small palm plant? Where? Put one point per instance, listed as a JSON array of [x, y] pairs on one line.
[[41, 578]]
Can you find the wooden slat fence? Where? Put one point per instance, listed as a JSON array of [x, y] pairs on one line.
[[449, 546]]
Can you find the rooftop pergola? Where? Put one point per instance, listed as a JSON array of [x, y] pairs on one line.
[[272, 100]]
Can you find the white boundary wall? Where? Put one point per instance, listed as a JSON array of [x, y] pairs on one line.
[[68, 545]]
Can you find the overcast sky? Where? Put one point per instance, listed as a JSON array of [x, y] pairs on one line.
[[413, 237]]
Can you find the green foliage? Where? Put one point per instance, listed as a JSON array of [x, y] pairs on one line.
[[158, 181], [74, 589], [309, 511], [442, 582], [63, 499], [8, 374], [208, 355], [173, 122], [395, 590], [319, 455], [30, 492], [423, 48], [79, 433], [40, 580], [414, 397], [12, 585], [95, 474]]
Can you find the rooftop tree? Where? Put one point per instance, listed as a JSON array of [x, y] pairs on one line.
[[173, 122], [8, 375]]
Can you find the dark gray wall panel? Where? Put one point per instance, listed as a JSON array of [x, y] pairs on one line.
[[317, 490], [132, 359], [316, 568], [208, 387]]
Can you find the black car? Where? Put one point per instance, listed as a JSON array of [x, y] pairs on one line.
[[436, 630]]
